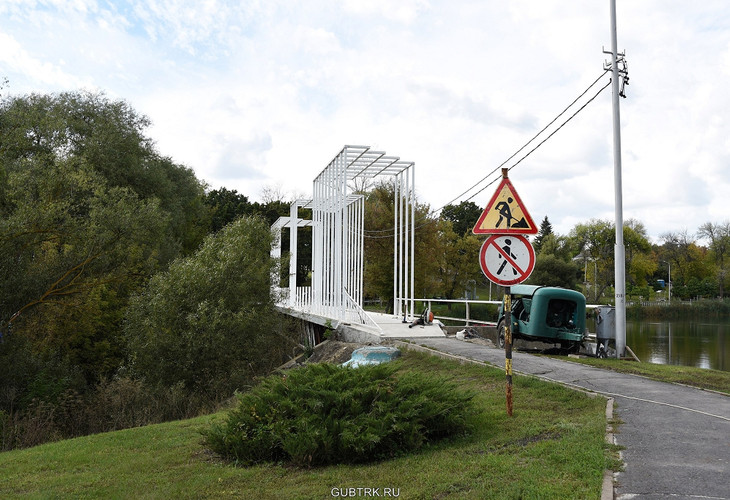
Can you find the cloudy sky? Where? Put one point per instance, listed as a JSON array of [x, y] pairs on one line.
[[263, 93]]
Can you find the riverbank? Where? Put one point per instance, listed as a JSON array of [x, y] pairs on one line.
[[696, 309]]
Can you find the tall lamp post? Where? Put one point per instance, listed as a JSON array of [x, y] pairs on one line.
[[585, 258], [619, 251]]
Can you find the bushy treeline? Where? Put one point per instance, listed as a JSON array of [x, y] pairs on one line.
[[128, 294], [584, 259], [697, 309]]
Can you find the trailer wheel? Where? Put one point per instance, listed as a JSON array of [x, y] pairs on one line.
[[500, 334], [570, 347], [601, 351]]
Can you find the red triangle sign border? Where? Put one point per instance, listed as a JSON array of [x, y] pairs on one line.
[[531, 229]]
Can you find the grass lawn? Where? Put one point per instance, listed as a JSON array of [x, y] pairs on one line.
[[703, 378], [553, 447]]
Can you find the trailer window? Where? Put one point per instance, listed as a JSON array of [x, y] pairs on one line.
[[561, 314]]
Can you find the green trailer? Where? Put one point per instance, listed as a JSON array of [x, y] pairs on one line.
[[546, 314]]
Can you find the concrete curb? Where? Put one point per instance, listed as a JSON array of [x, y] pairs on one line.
[[607, 491], [607, 488]]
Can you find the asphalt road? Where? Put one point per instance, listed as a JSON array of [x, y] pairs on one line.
[[676, 438]]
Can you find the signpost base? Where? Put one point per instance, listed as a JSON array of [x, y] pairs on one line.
[[508, 346]]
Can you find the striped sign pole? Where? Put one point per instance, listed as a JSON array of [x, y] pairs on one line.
[[506, 220], [508, 347]]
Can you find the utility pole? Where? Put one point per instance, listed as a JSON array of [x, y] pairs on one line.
[[619, 251]]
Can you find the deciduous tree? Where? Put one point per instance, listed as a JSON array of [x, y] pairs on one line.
[[88, 211], [719, 236], [458, 258], [596, 240], [688, 262], [463, 216], [379, 227], [209, 322]]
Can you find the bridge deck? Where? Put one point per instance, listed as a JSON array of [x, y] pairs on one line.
[[388, 326], [393, 327]]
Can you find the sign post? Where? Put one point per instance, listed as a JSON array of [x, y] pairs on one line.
[[508, 349], [506, 257]]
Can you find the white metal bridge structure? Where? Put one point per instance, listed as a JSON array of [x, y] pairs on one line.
[[338, 240]]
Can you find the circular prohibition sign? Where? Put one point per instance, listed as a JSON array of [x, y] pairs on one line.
[[507, 259]]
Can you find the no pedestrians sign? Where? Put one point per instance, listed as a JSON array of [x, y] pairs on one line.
[[507, 259]]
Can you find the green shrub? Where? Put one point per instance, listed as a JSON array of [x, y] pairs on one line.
[[326, 414]]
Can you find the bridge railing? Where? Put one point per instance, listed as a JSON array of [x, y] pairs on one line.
[[470, 314], [304, 302], [357, 314]]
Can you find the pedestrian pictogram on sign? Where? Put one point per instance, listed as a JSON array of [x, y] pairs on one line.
[[507, 259], [505, 213]]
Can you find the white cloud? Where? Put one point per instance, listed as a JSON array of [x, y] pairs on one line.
[[403, 11], [17, 60], [266, 92]]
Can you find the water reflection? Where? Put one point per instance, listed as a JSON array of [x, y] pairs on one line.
[[680, 342]]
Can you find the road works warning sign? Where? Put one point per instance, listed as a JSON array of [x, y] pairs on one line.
[[505, 213]]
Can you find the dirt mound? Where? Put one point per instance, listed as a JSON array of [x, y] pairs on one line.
[[333, 351]]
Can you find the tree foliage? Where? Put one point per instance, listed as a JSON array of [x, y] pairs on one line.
[[379, 227], [554, 265], [463, 217], [551, 270], [458, 260], [690, 264], [719, 238], [88, 211], [208, 322], [227, 205], [107, 138], [546, 229], [596, 241]]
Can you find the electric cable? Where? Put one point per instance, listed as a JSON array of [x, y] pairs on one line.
[[531, 140], [548, 137], [369, 233]]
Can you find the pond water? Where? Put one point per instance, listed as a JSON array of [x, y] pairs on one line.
[[704, 344]]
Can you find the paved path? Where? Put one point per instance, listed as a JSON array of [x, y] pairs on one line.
[[676, 438]]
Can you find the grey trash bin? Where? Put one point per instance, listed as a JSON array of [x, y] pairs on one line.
[[605, 328]]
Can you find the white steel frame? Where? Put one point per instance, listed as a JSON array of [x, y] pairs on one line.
[[338, 236]]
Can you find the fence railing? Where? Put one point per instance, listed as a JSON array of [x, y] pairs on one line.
[[650, 303], [468, 319], [349, 311]]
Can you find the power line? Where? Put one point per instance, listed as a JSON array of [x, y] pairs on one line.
[[548, 137], [433, 212], [496, 169]]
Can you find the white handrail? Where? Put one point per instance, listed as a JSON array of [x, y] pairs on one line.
[[466, 302]]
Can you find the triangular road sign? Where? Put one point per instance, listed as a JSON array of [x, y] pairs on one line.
[[505, 213]]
